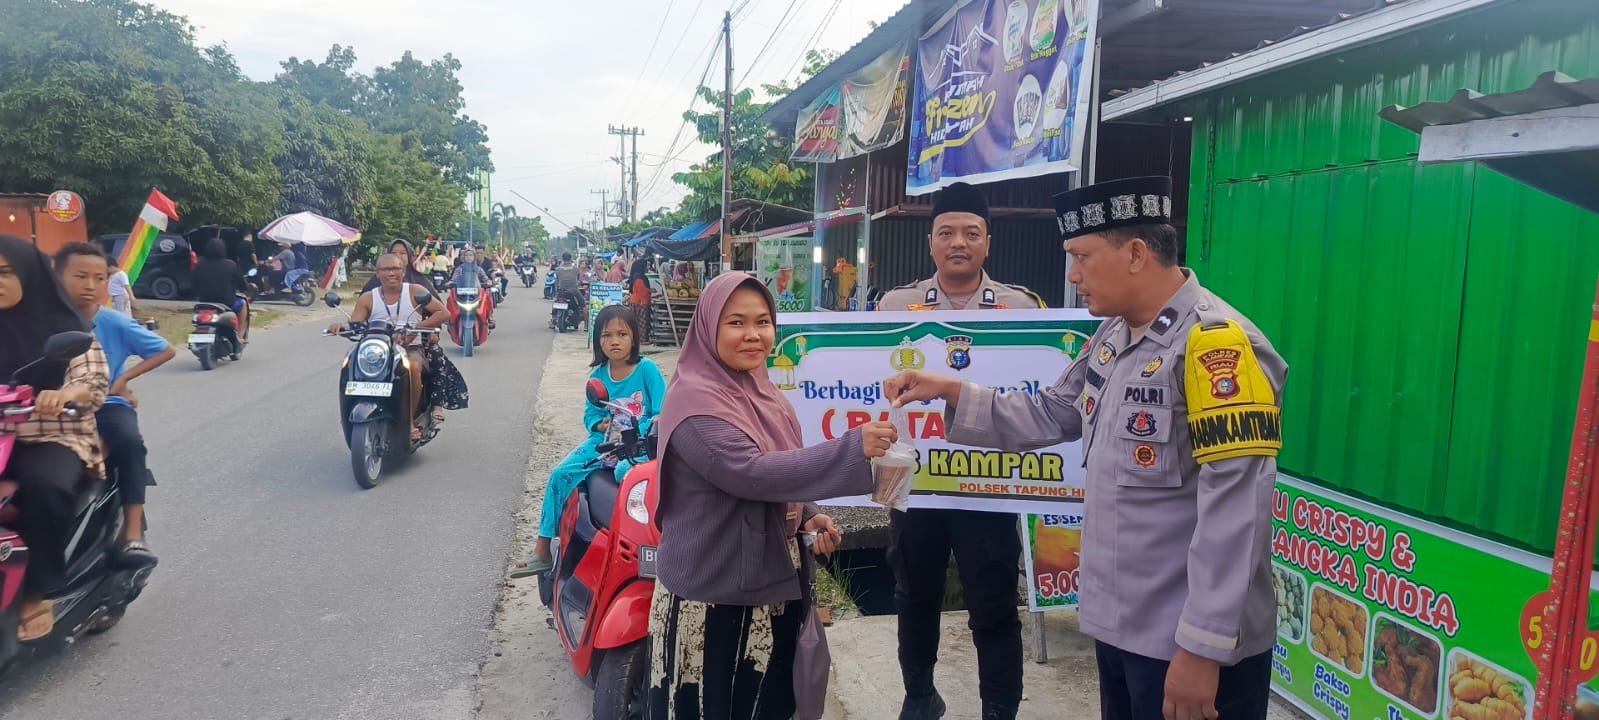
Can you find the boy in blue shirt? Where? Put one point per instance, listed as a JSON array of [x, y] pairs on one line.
[[84, 273]]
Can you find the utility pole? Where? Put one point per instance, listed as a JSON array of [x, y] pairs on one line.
[[599, 230], [627, 209], [727, 143]]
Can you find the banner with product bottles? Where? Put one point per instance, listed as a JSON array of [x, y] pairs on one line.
[[1002, 92]]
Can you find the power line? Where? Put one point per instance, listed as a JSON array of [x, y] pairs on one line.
[[706, 73], [816, 37], [670, 56], [651, 54], [792, 4]]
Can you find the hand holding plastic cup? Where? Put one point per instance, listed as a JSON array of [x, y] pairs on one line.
[[895, 471]]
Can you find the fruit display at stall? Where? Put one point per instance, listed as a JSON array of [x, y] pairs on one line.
[[1338, 630], [1404, 664], [1479, 691], [1290, 590]]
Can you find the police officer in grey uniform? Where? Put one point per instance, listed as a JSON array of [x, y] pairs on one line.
[[1176, 400], [986, 545]]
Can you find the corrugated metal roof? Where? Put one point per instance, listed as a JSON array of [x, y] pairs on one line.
[[1566, 175], [1551, 90], [1346, 29]]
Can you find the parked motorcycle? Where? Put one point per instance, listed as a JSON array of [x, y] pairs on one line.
[[98, 589], [217, 335], [567, 312], [469, 325], [528, 272], [375, 396], [297, 288], [549, 285], [604, 574]]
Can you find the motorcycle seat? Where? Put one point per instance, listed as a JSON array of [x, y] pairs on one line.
[[603, 490], [92, 489], [219, 307]]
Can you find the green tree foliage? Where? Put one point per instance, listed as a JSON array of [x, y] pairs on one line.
[[760, 159], [113, 97]]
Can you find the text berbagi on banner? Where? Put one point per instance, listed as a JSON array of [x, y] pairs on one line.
[[1002, 92]]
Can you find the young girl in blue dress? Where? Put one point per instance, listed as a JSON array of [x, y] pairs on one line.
[[630, 379]]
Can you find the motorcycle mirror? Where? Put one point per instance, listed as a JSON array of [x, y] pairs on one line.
[[423, 298], [64, 346], [596, 392], [332, 299]]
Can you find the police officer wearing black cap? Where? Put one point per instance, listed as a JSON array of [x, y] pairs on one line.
[[986, 545], [1176, 400]]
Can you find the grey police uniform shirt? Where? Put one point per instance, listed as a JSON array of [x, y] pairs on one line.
[[926, 295], [1175, 553]]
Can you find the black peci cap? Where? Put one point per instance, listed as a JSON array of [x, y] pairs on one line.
[[961, 197], [1114, 204]]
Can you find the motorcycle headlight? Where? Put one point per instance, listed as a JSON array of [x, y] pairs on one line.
[[636, 508], [372, 358]]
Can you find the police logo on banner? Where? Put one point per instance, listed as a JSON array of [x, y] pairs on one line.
[[959, 355]]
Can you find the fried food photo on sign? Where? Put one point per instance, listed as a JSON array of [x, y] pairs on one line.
[[1290, 590], [1404, 664], [1479, 691], [1338, 629]]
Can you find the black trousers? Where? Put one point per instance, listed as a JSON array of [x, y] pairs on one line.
[[987, 549], [48, 476], [1133, 687], [125, 451]]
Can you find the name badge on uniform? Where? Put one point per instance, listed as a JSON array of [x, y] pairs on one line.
[[989, 298]]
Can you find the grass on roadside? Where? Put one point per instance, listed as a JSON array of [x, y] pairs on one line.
[[832, 590]]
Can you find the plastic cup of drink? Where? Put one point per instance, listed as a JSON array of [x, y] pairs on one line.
[[892, 471]]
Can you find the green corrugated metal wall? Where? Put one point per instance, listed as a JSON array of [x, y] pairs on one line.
[[1434, 317]]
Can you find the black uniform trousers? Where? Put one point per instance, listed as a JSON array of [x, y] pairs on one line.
[[48, 476], [1133, 687], [988, 550]]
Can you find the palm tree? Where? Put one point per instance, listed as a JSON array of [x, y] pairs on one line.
[[502, 222]]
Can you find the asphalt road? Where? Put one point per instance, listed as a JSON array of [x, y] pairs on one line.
[[285, 591]]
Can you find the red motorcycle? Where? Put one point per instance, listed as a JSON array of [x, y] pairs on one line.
[[470, 309], [97, 590], [604, 572]]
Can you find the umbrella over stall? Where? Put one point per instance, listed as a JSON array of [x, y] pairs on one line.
[[310, 228]]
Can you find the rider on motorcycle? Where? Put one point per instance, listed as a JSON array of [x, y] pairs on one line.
[[567, 281], [83, 271], [394, 302], [470, 274], [218, 280], [54, 451]]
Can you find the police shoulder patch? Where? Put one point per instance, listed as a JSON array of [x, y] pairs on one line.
[[1232, 407]]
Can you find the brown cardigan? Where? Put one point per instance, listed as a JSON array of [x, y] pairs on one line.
[[724, 505]]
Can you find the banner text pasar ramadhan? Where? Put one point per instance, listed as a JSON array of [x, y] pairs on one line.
[[1344, 549]]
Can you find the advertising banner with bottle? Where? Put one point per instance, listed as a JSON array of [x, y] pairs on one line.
[[784, 266], [1002, 92]]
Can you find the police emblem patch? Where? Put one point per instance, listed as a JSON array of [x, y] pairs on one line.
[[1164, 321], [959, 356], [1088, 405], [1106, 353], [907, 357], [1141, 424], [1145, 456], [1152, 367], [1222, 364]]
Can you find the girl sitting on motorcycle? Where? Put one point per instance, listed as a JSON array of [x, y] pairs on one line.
[[54, 452], [629, 378]]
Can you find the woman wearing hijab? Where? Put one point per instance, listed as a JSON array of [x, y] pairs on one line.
[[639, 293], [403, 249], [618, 271], [736, 481], [54, 452]]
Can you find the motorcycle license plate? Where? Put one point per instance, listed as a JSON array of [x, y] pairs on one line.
[[368, 389], [202, 339], [646, 561], [560, 306]]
